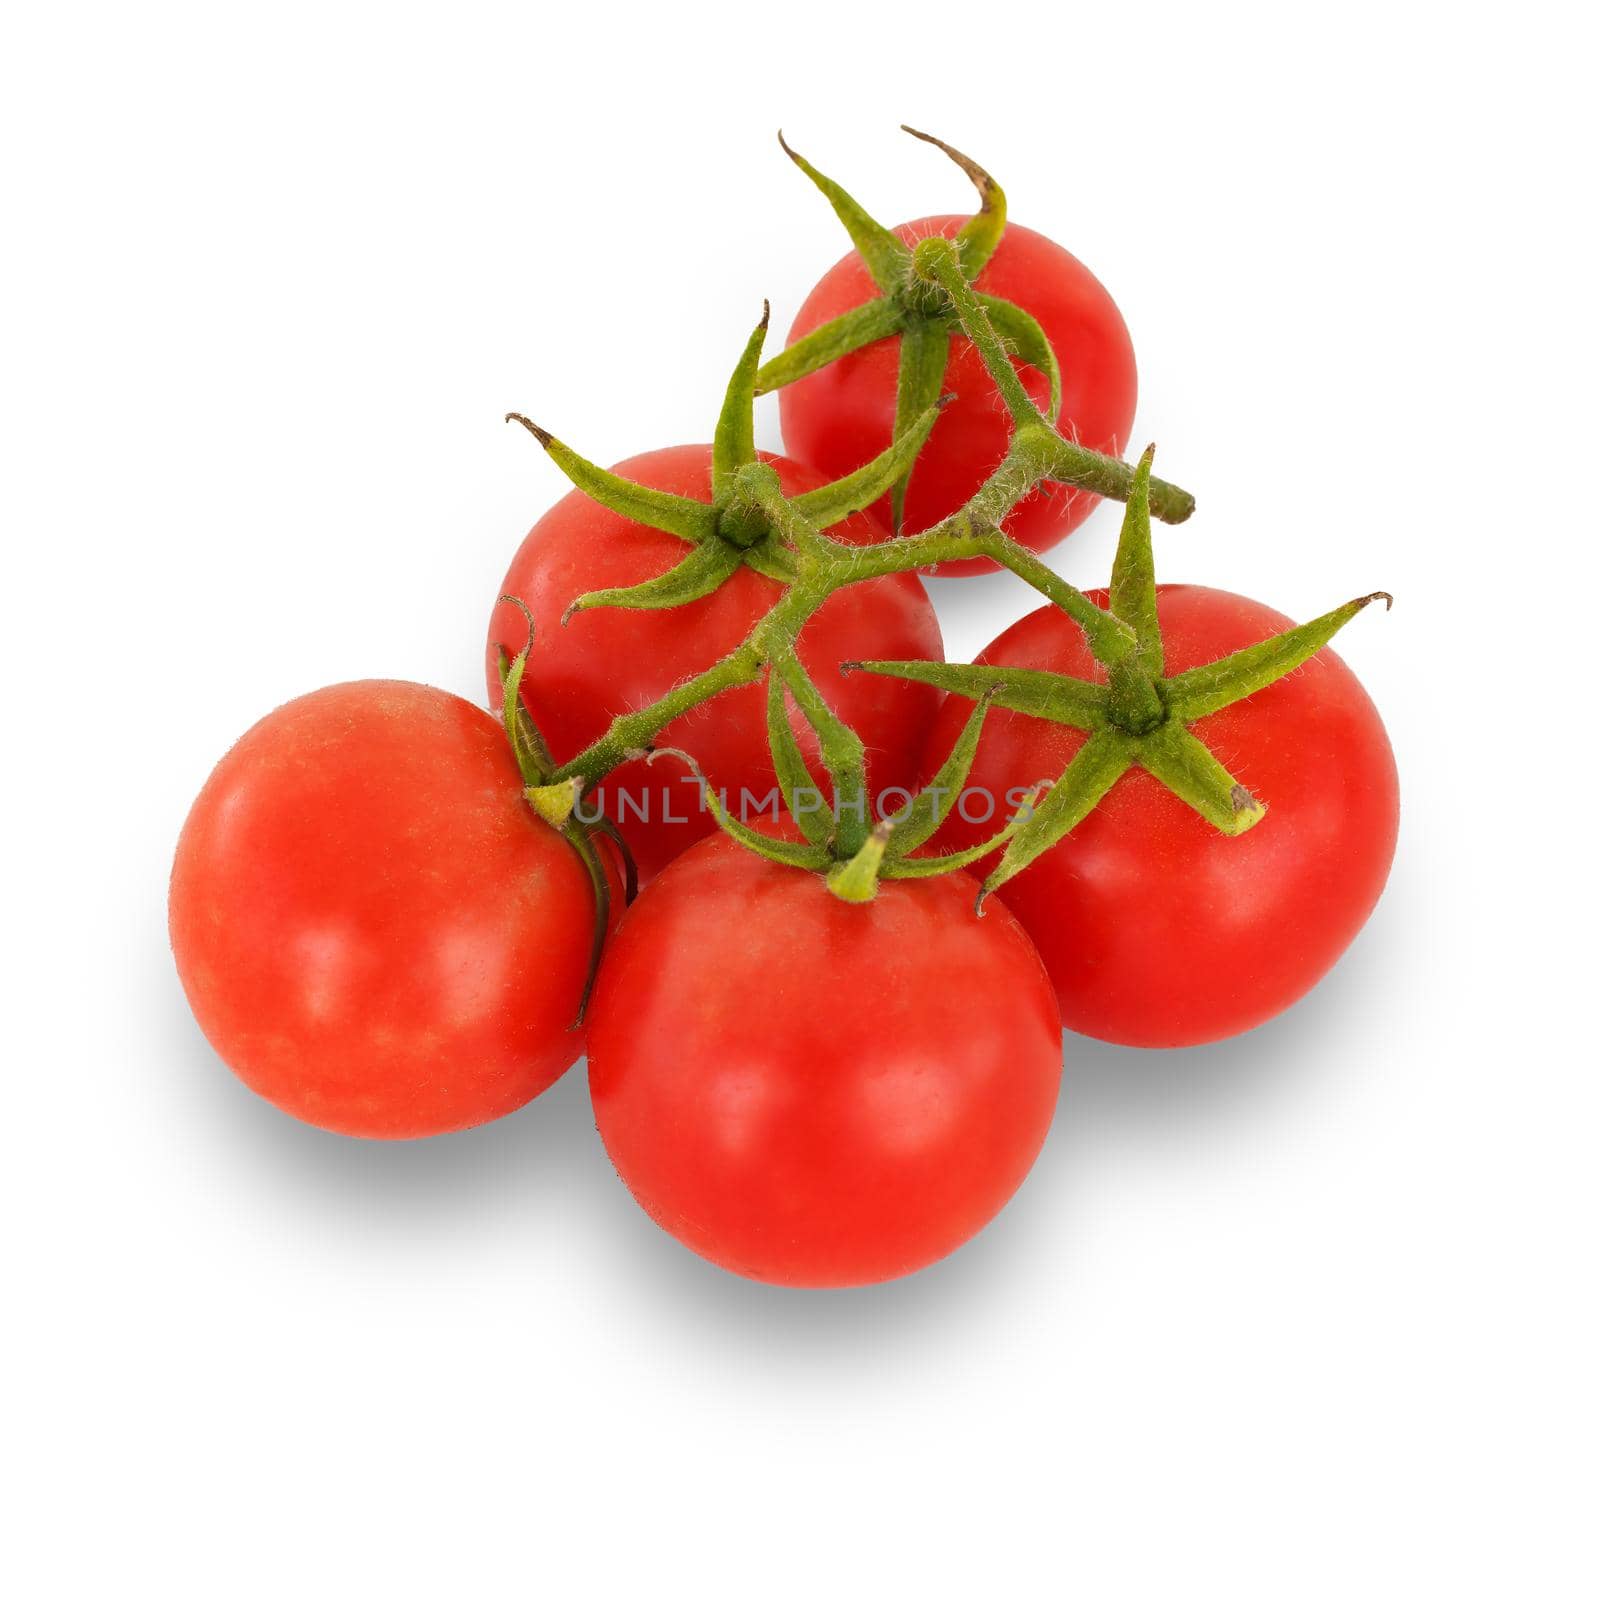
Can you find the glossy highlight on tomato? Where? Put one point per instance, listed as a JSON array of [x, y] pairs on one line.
[[840, 417], [815, 1093], [373, 928], [608, 661], [1156, 928]]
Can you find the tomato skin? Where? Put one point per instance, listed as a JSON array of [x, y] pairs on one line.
[[819, 1094], [372, 927], [839, 418], [608, 661], [1157, 929]]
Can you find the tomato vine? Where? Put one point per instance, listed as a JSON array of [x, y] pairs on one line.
[[1138, 717]]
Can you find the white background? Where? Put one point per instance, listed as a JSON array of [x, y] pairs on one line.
[[1311, 1313]]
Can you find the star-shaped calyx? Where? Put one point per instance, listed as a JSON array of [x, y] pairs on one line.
[[838, 839], [748, 521], [1139, 716], [909, 308]]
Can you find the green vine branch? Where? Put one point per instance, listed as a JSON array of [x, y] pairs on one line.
[[1137, 717]]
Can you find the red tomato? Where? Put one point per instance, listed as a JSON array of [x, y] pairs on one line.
[[372, 926], [841, 417], [1156, 928], [608, 661], [813, 1093]]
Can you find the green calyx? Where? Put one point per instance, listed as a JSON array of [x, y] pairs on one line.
[[925, 298], [838, 837], [554, 800], [909, 307], [749, 521], [1139, 716]]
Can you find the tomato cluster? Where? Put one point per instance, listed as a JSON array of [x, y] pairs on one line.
[[816, 902]]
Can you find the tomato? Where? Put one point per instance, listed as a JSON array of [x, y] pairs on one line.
[[839, 418], [606, 661], [1156, 928], [372, 926], [814, 1093]]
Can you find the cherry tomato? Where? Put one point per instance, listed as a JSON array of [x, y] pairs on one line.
[[841, 417], [814, 1093], [606, 661], [1156, 928], [373, 928]]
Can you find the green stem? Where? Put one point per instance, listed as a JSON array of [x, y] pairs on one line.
[[554, 801], [825, 565], [600, 886], [783, 517], [1113, 479], [855, 879], [636, 730], [1026, 339], [975, 530], [937, 260], [1132, 702]]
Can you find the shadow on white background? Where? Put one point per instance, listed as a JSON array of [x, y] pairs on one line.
[[548, 1154]]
